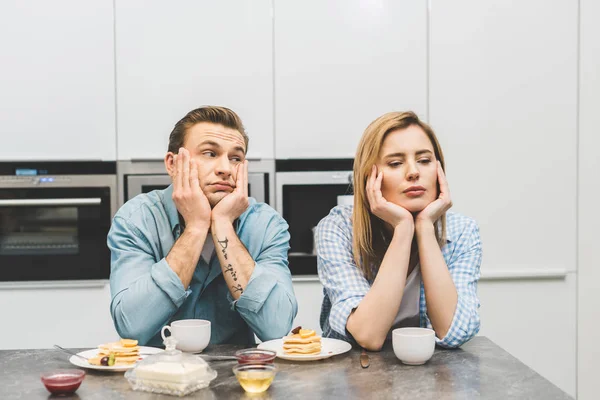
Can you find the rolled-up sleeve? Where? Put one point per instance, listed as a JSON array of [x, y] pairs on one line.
[[344, 283], [268, 304], [465, 272], [145, 292]]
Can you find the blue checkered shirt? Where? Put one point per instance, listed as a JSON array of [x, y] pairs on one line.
[[344, 285]]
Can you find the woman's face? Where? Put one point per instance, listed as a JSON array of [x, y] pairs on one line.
[[409, 168]]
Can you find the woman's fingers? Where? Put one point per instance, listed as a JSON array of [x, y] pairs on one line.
[[369, 186], [444, 189]]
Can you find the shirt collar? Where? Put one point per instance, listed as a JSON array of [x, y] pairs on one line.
[[171, 210]]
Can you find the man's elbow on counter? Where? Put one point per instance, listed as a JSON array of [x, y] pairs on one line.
[[126, 330]]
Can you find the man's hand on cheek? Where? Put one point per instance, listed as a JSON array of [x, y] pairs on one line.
[[189, 199], [235, 203]]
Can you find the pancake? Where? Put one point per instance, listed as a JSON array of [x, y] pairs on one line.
[[124, 352], [302, 341], [298, 340]]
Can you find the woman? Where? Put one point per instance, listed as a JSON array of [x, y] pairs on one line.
[[396, 257]]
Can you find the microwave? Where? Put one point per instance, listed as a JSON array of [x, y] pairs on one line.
[[54, 219], [305, 192], [137, 177]]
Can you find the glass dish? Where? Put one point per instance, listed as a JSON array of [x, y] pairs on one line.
[[255, 356], [255, 378], [171, 372], [63, 381]]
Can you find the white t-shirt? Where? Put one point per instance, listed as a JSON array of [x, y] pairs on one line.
[[408, 314]]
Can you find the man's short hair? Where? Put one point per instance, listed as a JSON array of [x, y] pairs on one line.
[[213, 114]]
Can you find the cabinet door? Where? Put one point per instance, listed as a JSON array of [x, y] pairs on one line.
[[503, 101], [339, 65], [173, 57], [309, 294], [589, 192], [57, 87]]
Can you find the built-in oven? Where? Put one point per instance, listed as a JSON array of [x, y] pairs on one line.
[[136, 177], [54, 219], [306, 190]]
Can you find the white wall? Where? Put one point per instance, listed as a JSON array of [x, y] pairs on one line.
[[589, 195]]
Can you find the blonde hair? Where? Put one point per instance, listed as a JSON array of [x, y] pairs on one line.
[[368, 242]]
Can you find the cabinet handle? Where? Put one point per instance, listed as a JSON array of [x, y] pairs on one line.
[[49, 202]]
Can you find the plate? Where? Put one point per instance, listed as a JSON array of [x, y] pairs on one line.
[[329, 348], [80, 362]]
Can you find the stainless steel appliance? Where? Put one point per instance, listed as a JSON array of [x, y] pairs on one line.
[[54, 218], [306, 190], [136, 177]]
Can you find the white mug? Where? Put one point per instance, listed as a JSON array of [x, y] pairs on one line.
[[192, 335]]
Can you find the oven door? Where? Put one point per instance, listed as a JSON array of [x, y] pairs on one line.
[[138, 184], [54, 233], [303, 199]]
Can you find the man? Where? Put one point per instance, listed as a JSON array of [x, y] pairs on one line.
[[201, 248]]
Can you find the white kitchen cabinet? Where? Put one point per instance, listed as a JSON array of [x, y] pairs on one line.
[[589, 192], [57, 96], [74, 315], [503, 101], [309, 294], [173, 57], [535, 321], [341, 64]]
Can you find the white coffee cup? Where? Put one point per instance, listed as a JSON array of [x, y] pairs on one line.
[[413, 346], [192, 335]]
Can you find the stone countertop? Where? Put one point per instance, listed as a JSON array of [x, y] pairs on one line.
[[480, 369]]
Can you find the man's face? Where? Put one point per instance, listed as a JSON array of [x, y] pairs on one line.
[[217, 151]]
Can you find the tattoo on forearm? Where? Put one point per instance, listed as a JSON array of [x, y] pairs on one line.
[[229, 268], [238, 288], [223, 244]]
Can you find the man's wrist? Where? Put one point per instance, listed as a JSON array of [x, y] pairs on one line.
[[197, 229], [220, 222]]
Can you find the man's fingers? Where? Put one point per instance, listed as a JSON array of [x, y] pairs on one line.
[[185, 169], [178, 172], [194, 183], [245, 179]]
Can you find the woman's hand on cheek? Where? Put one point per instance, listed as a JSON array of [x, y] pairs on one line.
[[389, 212], [436, 208]]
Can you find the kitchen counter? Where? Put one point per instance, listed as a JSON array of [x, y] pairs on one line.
[[480, 369]]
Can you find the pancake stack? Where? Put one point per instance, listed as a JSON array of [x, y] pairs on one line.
[[302, 341], [123, 352]]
